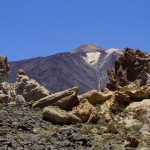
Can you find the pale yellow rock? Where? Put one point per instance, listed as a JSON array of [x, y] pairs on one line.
[[58, 116], [144, 104], [95, 97], [140, 94], [65, 100]]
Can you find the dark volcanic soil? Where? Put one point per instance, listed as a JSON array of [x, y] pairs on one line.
[[22, 128]]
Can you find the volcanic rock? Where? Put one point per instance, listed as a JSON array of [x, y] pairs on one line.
[[140, 94], [65, 100], [59, 116], [29, 88], [86, 112], [4, 98], [122, 99], [132, 66], [95, 97]]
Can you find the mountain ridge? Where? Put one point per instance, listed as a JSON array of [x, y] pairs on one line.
[[80, 68]]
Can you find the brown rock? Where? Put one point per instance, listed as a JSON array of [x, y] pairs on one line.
[[122, 98], [95, 97], [58, 116], [140, 94], [86, 112], [65, 100], [132, 66], [132, 142]]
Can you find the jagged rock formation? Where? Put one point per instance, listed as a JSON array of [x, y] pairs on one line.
[[132, 66], [86, 67], [29, 88]]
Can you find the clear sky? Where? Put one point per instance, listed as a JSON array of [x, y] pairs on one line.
[[31, 28]]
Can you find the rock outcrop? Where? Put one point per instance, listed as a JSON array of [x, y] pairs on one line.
[[65, 100], [95, 97], [123, 98], [5, 96], [29, 88], [132, 66]]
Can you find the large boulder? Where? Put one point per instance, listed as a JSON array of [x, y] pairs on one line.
[[65, 100], [86, 112], [95, 97], [29, 88], [137, 115], [59, 116]]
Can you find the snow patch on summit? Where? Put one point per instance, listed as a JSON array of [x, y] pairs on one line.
[[111, 50], [92, 57]]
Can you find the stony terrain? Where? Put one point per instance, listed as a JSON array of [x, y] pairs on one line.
[[116, 118]]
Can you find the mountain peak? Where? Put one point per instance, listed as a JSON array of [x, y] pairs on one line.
[[88, 48]]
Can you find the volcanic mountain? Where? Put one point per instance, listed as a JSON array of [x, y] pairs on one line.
[[85, 67]]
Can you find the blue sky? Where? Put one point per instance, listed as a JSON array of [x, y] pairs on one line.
[[31, 28]]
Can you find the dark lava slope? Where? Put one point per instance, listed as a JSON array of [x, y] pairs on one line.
[[65, 70]]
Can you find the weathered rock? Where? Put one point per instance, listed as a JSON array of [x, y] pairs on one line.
[[59, 116], [144, 104], [4, 68], [105, 110], [21, 72], [130, 87], [141, 110], [4, 98], [8, 89], [123, 99], [132, 142], [140, 94], [95, 97], [19, 99], [86, 112], [65, 100], [136, 116], [132, 66], [132, 123], [29, 88]]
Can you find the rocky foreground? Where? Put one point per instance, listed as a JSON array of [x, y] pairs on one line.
[[117, 117]]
